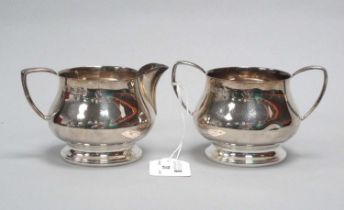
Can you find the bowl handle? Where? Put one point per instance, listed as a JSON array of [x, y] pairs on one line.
[[175, 83], [24, 74], [312, 68]]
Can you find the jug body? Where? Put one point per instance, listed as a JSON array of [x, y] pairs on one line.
[[246, 112], [100, 112]]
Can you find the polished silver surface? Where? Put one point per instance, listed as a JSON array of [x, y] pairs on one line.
[[246, 112], [101, 158], [100, 112], [247, 156], [322, 92], [24, 74]]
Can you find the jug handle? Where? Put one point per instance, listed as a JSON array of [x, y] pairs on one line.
[[323, 89], [174, 82], [24, 74]]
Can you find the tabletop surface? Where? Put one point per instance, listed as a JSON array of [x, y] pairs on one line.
[[62, 34]]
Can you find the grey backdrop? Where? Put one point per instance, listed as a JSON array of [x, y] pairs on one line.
[[281, 34]]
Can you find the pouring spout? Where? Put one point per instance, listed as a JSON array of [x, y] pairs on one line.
[[149, 77]]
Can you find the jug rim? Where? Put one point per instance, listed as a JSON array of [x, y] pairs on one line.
[[248, 74], [108, 73]]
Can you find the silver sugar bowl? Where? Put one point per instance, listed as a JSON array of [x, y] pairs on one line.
[[100, 112], [247, 112]]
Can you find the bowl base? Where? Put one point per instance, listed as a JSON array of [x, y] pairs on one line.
[[100, 155], [246, 156]]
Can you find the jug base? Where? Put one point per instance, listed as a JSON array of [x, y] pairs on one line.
[[246, 156], [101, 157]]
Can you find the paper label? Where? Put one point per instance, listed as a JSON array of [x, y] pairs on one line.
[[169, 167]]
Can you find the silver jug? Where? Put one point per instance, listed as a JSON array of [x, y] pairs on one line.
[[247, 112], [100, 112]]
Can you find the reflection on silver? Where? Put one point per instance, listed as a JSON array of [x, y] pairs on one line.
[[101, 111], [105, 113], [82, 109], [246, 112], [216, 132], [131, 134]]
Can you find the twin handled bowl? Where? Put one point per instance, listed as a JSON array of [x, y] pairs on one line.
[[247, 112]]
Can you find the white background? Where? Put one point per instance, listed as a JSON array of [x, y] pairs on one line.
[[279, 34]]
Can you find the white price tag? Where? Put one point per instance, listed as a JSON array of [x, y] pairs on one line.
[[169, 167]]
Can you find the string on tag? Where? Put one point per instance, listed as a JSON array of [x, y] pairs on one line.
[[179, 89], [172, 166]]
